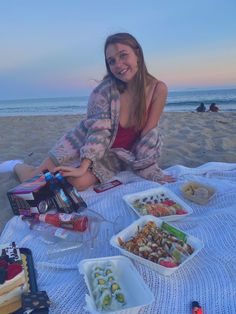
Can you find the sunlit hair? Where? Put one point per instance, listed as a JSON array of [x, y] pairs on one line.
[[139, 112]]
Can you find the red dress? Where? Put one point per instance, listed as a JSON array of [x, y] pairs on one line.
[[125, 137]]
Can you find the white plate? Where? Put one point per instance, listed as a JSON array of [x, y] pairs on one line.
[[130, 198], [131, 230], [137, 293]]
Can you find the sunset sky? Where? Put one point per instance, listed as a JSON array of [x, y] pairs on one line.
[[54, 48]]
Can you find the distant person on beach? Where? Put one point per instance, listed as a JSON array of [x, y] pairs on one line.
[[120, 131], [213, 108], [201, 107]]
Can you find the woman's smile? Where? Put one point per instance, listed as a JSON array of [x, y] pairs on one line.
[[123, 71]]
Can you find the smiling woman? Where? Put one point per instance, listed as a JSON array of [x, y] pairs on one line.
[[120, 131], [122, 61]]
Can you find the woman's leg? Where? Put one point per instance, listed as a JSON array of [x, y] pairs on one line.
[[24, 171], [84, 182]]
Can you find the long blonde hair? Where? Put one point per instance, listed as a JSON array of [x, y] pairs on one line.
[[139, 117]]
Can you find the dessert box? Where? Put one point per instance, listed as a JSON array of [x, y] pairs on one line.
[[130, 232], [159, 202], [16, 306], [136, 293], [197, 192]]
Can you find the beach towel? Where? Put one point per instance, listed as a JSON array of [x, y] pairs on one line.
[[209, 278]]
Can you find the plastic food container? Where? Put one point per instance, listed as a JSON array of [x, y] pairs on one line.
[[131, 231], [137, 293], [197, 192], [156, 196]]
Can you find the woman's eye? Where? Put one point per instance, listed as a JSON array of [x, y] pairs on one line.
[[123, 55], [111, 61]]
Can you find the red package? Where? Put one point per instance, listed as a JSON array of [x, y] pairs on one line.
[[106, 186]]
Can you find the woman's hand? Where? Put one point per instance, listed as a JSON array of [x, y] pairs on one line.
[[74, 172], [71, 171], [167, 179]]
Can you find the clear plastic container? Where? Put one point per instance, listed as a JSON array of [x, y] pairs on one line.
[[137, 293], [52, 234], [197, 192], [63, 240]]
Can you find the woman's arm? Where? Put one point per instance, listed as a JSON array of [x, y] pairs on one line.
[[157, 105]]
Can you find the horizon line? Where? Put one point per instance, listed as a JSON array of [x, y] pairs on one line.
[[181, 89]]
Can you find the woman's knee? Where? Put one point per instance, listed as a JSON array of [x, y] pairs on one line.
[[84, 182], [25, 172], [79, 183]]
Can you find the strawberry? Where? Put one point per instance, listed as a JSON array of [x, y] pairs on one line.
[[181, 212], [13, 270], [168, 203], [168, 264]]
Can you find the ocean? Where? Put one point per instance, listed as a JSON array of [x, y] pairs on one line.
[[178, 101]]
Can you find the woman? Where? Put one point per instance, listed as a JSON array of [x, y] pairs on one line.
[[120, 131], [213, 108], [201, 107]]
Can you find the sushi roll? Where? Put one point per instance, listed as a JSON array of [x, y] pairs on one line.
[[99, 281], [97, 292], [97, 271], [96, 274], [120, 297], [110, 278], [108, 271], [106, 290], [115, 287], [104, 301], [97, 268]]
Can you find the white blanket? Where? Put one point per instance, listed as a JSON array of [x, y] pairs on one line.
[[209, 278]]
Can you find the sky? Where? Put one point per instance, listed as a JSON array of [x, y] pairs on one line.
[[54, 48]]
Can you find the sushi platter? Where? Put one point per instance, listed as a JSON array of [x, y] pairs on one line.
[[159, 202], [157, 244]]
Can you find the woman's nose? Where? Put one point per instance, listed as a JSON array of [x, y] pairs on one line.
[[118, 62]]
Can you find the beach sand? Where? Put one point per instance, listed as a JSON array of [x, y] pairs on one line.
[[190, 139]]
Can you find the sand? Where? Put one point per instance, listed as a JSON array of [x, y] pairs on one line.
[[190, 139]]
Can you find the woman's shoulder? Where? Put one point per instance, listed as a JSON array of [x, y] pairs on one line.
[[156, 86], [104, 86]]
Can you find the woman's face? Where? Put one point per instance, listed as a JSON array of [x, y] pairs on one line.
[[122, 61]]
